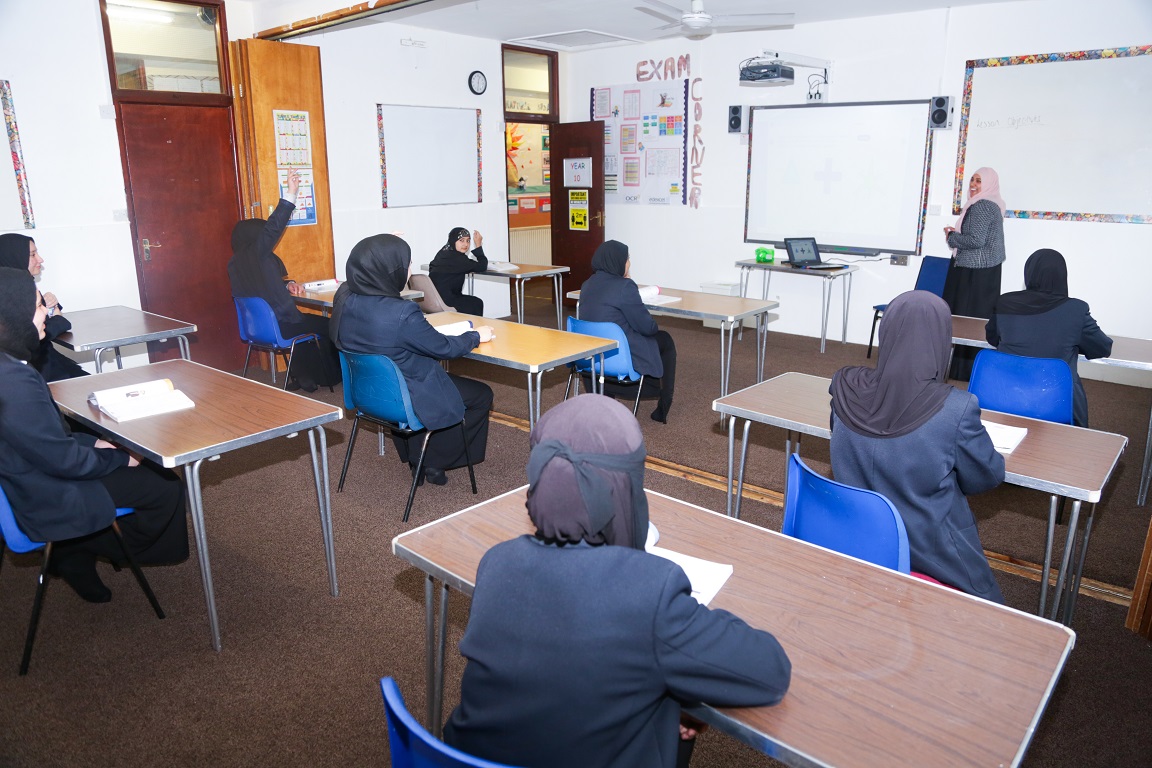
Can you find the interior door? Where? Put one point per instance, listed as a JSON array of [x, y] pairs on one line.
[[181, 175], [577, 210]]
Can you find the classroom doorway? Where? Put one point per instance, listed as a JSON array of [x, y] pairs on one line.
[[578, 199]]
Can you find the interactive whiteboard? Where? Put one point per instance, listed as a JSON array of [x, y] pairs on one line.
[[429, 155]]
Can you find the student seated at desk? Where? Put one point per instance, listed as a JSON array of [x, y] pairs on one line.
[[65, 488], [1041, 321], [452, 263], [611, 296], [581, 647], [901, 430], [20, 252], [369, 316]]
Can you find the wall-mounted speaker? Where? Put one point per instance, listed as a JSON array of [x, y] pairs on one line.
[[737, 119], [940, 115]]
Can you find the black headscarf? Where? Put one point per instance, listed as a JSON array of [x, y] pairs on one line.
[[586, 475], [909, 383], [1045, 285], [18, 297], [15, 251], [612, 257], [455, 235], [377, 266]]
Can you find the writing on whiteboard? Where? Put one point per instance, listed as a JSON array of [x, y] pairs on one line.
[[1026, 121]]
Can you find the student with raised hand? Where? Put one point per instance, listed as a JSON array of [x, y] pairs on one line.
[[582, 647], [65, 488], [20, 252], [1041, 321], [452, 263], [369, 316], [901, 430]]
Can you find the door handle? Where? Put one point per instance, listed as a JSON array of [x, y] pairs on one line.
[[599, 216], [148, 248]]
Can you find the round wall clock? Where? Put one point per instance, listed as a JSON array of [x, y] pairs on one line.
[[477, 82]]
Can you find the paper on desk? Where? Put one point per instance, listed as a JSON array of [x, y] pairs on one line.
[[322, 285], [705, 576], [650, 294], [455, 329], [501, 266], [136, 401], [1004, 438]]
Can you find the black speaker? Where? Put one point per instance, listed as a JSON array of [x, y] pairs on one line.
[[737, 119], [940, 115]]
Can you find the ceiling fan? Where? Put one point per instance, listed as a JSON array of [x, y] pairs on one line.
[[697, 23]]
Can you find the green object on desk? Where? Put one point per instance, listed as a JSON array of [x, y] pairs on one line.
[[765, 255]]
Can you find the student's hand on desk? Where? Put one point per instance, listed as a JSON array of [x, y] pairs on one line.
[[486, 333], [295, 288]]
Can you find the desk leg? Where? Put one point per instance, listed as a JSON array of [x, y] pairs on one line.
[[434, 643], [743, 464], [761, 344], [324, 501], [99, 351], [1146, 473], [825, 305], [519, 299], [846, 294], [185, 353], [1069, 543], [119, 362], [558, 292], [196, 504], [727, 333], [437, 727], [1053, 507], [1074, 586]]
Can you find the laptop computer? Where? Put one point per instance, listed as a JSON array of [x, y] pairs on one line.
[[803, 253]]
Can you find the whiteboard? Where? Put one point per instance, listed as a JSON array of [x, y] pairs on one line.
[[429, 155], [854, 175], [1068, 134]]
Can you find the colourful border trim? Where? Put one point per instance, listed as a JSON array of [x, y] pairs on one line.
[[17, 154], [1038, 58], [383, 163], [479, 160]]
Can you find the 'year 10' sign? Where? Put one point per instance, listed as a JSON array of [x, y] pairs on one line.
[[578, 172]]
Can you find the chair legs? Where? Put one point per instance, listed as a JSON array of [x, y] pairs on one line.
[[246, 358], [143, 582], [416, 475], [348, 453], [872, 335], [468, 456], [639, 389]]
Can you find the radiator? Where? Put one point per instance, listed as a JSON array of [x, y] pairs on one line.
[[530, 245]]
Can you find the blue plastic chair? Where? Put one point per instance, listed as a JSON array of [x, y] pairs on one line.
[[933, 273], [410, 744], [617, 364], [1036, 387], [260, 330], [852, 521], [375, 391], [11, 537]]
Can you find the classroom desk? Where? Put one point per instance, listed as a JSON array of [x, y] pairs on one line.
[[230, 413], [887, 670], [1126, 353], [829, 275], [322, 300], [520, 274], [730, 311], [104, 328], [528, 348], [1058, 459]]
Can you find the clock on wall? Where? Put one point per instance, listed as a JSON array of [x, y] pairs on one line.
[[477, 82]]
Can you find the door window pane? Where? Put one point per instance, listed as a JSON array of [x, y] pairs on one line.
[[160, 46], [527, 82]]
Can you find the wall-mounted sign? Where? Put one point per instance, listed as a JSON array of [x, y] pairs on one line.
[[577, 209], [578, 172]]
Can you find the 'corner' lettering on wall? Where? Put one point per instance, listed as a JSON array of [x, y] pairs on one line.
[[670, 69]]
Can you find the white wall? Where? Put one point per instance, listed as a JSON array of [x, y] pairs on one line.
[[906, 56]]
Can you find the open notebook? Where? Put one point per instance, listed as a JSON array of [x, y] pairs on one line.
[[1004, 438], [650, 294], [148, 398], [705, 576]]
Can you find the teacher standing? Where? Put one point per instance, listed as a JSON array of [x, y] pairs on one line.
[[977, 243]]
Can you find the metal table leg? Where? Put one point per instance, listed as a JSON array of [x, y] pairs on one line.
[[761, 344], [1073, 521], [441, 640], [182, 341], [1053, 507], [1146, 473], [743, 463], [558, 292], [434, 642], [324, 501], [96, 358], [846, 294], [196, 505], [1074, 586], [727, 337], [825, 305]]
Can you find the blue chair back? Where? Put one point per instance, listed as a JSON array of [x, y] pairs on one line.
[[375, 387], [411, 746], [618, 362], [933, 273], [1036, 387], [258, 323], [14, 538], [849, 520]]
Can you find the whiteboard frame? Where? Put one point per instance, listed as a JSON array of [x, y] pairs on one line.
[[398, 146], [17, 156]]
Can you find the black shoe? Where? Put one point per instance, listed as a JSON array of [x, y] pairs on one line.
[[436, 476], [80, 574], [292, 385], [660, 416]]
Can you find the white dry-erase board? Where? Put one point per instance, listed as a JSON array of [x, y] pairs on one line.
[[1068, 133], [429, 155], [854, 175]]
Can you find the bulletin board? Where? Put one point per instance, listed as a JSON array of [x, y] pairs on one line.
[[1066, 132], [15, 197], [429, 155], [645, 141]]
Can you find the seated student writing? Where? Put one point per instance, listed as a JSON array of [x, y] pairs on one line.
[[582, 647], [452, 263], [901, 430], [1041, 321]]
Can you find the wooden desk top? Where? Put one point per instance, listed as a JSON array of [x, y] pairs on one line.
[[783, 266], [887, 670], [527, 347], [1054, 458], [230, 412], [520, 271], [116, 326], [323, 299], [1127, 352], [705, 306]]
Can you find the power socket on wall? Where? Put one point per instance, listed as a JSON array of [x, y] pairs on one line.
[[899, 260]]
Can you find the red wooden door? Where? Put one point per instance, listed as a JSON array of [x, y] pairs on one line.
[[571, 247], [184, 201]]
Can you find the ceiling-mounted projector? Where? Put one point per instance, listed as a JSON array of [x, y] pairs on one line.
[[767, 74]]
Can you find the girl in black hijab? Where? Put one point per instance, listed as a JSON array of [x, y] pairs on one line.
[[451, 264], [19, 252], [610, 296], [901, 430], [370, 317], [1041, 321], [256, 271], [580, 645], [65, 488]]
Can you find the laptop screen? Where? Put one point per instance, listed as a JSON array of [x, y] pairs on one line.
[[802, 250]]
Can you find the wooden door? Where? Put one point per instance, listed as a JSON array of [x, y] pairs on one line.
[[181, 176], [269, 76], [573, 248]]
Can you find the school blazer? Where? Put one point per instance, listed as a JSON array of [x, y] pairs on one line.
[[608, 298]]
